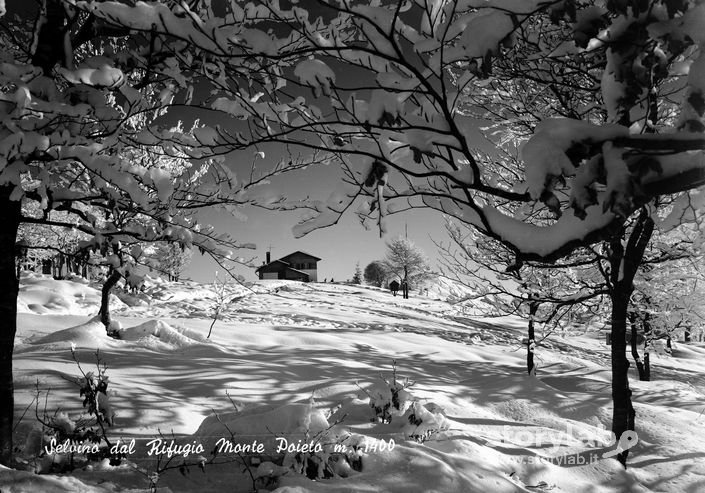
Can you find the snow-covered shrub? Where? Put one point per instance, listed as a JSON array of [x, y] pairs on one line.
[[389, 397], [424, 421], [220, 303], [94, 390], [65, 442], [299, 437], [267, 475], [318, 459]]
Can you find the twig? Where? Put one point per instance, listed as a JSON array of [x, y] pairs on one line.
[[14, 428]]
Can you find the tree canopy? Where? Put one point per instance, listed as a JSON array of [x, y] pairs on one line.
[[406, 262], [375, 273]]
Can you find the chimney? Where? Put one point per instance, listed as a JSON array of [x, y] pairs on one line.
[[269, 257]]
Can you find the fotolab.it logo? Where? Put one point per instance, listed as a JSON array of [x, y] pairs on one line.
[[592, 444]]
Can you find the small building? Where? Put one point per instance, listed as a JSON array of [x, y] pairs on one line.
[[297, 266]]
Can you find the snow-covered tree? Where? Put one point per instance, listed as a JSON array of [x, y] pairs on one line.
[[593, 164], [171, 259], [49, 246], [406, 262], [86, 130], [357, 275], [376, 273], [669, 296], [568, 293], [680, 291]]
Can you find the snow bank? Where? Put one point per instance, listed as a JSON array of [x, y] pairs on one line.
[[293, 421], [90, 334], [27, 482], [268, 286], [157, 334], [153, 334], [44, 295]]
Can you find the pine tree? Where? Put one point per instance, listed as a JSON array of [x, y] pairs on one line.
[[357, 276]]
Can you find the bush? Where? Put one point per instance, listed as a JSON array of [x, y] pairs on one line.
[[392, 397], [80, 439]]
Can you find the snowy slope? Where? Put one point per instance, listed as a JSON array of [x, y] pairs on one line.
[[303, 361]]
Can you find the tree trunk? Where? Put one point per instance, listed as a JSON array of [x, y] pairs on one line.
[[624, 264], [531, 339], [647, 346], [623, 414], [8, 313], [635, 350], [104, 312], [405, 283]]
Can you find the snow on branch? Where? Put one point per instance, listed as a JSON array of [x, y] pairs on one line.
[[606, 139], [603, 125]]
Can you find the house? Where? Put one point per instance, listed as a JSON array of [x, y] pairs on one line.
[[297, 266]]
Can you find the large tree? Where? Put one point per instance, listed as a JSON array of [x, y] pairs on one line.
[[406, 262], [93, 100], [403, 133]]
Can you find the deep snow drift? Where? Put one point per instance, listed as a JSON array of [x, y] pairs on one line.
[[290, 364]]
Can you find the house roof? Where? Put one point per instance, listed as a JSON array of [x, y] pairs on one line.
[[300, 251], [286, 264], [287, 267]]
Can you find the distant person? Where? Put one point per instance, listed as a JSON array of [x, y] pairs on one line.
[[331, 280], [394, 287], [325, 280]]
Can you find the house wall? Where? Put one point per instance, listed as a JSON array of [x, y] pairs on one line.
[[304, 263], [289, 274], [269, 275]]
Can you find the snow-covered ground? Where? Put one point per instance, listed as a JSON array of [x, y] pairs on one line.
[[302, 362]]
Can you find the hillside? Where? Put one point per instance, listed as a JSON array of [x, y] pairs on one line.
[[302, 362]]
